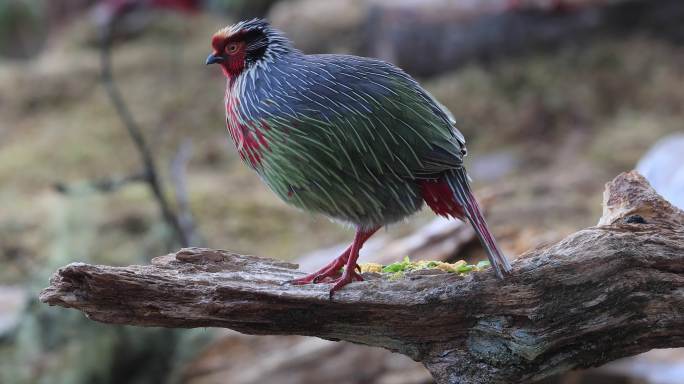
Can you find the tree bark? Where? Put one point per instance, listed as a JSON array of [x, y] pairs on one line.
[[602, 293]]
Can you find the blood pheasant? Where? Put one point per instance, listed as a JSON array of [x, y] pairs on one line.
[[353, 138]]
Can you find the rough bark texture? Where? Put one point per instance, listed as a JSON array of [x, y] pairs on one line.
[[602, 293]]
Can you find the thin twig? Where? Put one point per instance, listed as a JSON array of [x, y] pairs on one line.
[[134, 131]]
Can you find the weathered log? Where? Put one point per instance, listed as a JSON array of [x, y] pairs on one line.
[[297, 359], [604, 292]]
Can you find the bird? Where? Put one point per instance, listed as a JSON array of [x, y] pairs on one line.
[[353, 138]]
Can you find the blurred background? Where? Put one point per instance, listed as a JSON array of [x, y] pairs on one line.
[[113, 150]]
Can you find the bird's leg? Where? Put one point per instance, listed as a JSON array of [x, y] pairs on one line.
[[330, 270], [350, 273]]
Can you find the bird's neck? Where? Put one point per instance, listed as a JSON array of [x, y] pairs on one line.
[[232, 73], [232, 84]]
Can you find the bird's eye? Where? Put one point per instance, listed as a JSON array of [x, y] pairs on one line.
[[231, 48]]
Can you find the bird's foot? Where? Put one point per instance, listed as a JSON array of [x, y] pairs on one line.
[[317, 277], [329, 272], [348, 276]]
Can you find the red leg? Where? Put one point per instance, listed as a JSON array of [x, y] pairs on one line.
[[333, 268], [350, 273], [330, 270]]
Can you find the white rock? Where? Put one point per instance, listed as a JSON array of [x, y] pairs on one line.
[[663, 167]]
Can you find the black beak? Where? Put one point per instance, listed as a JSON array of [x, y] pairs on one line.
[[213, 59]]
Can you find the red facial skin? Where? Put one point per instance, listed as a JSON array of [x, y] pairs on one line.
[[232, 49]]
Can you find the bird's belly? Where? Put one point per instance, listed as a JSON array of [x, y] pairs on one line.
[[361, 201], [309, 177]]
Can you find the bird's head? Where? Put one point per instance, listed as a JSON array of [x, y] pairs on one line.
[[241, 46]]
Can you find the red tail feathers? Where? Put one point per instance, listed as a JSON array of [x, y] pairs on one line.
[[452, 196], [438, 196]]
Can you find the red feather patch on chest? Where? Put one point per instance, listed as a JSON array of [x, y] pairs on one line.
[[440, 198], [247, 137]]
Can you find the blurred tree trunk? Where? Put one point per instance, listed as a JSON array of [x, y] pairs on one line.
[[428, 37]]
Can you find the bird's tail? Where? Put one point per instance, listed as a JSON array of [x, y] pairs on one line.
[[459, 185]]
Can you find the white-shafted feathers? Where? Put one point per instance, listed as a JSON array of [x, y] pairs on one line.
[[344, 134], [354, 138]]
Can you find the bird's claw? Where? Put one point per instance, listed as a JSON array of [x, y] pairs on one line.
[[332, 273], [318, 278], [308, 279], [346, 278], [314, 278]]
